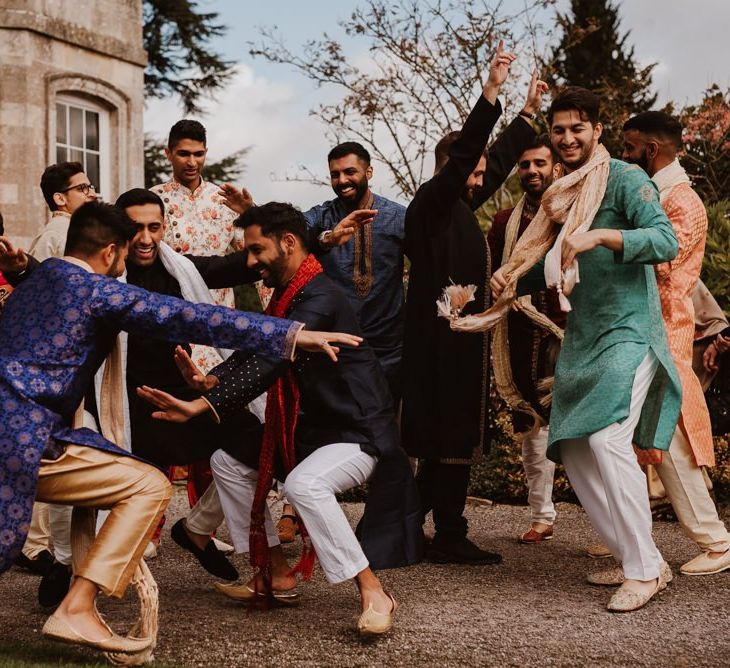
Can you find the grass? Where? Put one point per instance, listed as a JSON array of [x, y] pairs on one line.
[[43, 654]]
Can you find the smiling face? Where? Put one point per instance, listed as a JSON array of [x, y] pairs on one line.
[[349, 177], [573, 138], [187, 158], [150, 224], [270, 256], [535, 169]]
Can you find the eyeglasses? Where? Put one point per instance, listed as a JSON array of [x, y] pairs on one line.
[[83, 188]]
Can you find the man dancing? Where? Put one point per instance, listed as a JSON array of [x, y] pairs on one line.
[[446, 377], [652, 140], [615, 381], [336, 428], [58, 327], [525, 345]]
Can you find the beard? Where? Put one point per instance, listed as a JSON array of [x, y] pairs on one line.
[[361, 188], [642, 161], [276, 269]]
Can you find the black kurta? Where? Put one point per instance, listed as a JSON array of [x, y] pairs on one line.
[[445, 373], [151, 362], [343, 402]]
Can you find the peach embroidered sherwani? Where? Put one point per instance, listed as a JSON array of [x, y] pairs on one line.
[[676, 281]]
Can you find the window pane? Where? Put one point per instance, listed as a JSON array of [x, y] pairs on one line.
[[75, 155], [61, 154], [77, 126], [92, 169], [61, 123], [92, 130]]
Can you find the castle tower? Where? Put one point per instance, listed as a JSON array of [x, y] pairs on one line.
[[71, 88]]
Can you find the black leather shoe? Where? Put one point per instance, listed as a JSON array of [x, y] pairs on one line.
[[54, 585], [211, 558], [38, 566], [460, 551]]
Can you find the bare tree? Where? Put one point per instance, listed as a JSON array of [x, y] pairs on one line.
[[428, 62]]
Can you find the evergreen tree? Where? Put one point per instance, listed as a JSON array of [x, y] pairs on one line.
[[176, 35], [594, 55]]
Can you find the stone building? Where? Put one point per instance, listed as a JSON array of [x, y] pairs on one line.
[[71, 88]]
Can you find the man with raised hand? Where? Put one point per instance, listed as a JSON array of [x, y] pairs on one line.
[[445, 419]]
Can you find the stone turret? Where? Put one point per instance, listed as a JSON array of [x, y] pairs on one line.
[[71, 88]]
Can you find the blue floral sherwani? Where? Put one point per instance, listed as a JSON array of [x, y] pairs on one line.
[[56, 330]]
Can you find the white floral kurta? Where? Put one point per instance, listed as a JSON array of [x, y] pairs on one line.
[[198, 223]]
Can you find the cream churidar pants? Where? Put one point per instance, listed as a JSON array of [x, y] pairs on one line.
[[311, 489], [135, 493], [611, 486], [540, 473], [687, 491]]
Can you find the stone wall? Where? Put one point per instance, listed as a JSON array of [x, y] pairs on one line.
[[90, 49]]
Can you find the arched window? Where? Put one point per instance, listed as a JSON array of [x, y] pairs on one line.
[[82, 135]]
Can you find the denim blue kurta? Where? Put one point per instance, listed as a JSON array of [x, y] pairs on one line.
[[380, 313], [56, 330]]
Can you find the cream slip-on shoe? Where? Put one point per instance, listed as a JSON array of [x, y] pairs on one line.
[[373, 623], [702, 564], [59, 629]]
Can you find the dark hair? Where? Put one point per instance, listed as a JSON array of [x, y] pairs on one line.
[[574, 98], [349, 148], [94, 226], [658, 124], [186, 129], [55, 179], [542, 141], [276, 219], [443, 148], [138, 197], [2, 225]]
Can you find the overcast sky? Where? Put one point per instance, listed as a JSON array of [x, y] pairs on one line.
[[266, 106]]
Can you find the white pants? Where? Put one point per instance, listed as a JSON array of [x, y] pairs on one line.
[[59, 519], [611, 486], [207, 514], [311, 489], [687, 491], [540, 473]]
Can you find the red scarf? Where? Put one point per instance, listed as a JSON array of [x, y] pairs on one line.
[[282, 407]]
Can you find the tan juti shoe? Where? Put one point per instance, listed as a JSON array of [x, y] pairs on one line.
[[246, 594], [372, 623], [703, 564], [59, 629], [598, 551]]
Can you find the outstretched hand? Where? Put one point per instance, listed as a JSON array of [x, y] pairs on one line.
[[321, 342], [171, 408], [237, 200], [12, 260], [193, 376], [346, 228], [537, 89]]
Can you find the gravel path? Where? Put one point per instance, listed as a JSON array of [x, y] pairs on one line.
[[534, 609]]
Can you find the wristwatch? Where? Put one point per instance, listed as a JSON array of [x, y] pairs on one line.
[[527, 115], [324, 238]]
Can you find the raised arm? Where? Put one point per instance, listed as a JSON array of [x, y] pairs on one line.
[[435, 197], [224, 271]]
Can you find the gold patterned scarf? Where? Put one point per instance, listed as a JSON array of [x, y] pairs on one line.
[[568, 207]]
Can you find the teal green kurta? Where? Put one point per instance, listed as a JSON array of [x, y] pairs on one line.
[[616, 319]]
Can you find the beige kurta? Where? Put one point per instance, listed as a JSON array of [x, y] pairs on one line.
[[676, 281]]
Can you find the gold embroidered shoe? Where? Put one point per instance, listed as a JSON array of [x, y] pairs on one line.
[[373, 623], [612, 577]]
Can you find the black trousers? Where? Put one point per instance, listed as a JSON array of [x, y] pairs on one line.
[[443, 489]]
